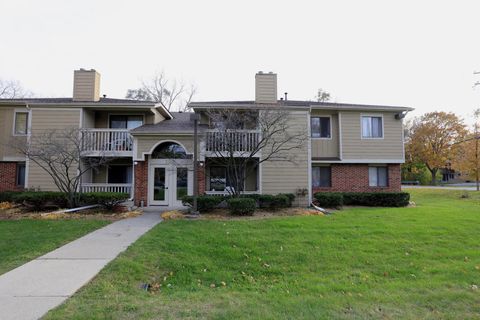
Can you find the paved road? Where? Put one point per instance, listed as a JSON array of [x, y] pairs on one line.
[[31, 290], [441, 187]]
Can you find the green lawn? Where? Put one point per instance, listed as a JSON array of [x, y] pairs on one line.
[[24, 240], [383, 263]]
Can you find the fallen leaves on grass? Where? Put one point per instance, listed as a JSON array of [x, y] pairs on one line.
[[172, 215], [6, 205]]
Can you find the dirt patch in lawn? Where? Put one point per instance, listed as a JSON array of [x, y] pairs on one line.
[[10, 211]]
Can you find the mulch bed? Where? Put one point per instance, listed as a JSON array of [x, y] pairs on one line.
[[16, 212]]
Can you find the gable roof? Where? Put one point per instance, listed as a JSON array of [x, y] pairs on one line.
[[71, 101]]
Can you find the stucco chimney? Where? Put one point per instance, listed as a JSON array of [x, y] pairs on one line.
[[266, 87], [86, 85]]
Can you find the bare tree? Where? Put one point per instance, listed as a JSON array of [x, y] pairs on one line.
[[59, 153], [322, 95], [245, 139], [173, 94], [10, 89]]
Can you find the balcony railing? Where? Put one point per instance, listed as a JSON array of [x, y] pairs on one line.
[[235, 140], [107, 141], [107, 187]]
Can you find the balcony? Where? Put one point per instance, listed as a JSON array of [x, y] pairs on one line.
[[238, 141], [107, 187], [107, 142]]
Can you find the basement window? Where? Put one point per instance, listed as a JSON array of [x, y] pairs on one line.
[[321, 177], [378, 176]]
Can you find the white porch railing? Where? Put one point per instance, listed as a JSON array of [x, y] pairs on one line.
[[235, 140], [107, 140], [108, 187]]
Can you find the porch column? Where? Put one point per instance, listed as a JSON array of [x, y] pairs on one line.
[[201, 177], [141, 182]]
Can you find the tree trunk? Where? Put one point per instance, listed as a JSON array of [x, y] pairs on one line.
[[434, 176]]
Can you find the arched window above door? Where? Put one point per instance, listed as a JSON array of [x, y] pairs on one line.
[[169, 150]]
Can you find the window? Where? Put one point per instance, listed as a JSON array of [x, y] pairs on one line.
[[125, 122], [21, 123], [320, 127], [120, 174], [169, 150], [372, 127], [220, 179], [21, 174], [321, 177], [378, 176]]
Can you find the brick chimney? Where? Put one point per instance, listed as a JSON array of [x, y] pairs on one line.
[[266, 87], [86, 85]]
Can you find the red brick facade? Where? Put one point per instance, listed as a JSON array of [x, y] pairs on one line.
[[201, 179], [354, 178], [8, 176], [141, 183]]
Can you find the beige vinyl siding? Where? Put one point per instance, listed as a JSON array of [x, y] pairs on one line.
[[88, 119], [282, 176], [145, 144], [86, 85], [390, 147], [52, 119], [7, 118], [326, 148]]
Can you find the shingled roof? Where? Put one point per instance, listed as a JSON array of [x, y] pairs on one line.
[[71, 101], [180, 124]]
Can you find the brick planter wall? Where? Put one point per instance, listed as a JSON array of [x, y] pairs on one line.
[[141, 182], [354, 178], [8, 177]]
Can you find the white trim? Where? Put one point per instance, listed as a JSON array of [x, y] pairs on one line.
[[156, 145], [340, 136], [310, 126], [403, 141], [20, 110], [57, 109], [360, 161], [309, 159], [381, 115], [27, 161], [80, 125], [14, 159]]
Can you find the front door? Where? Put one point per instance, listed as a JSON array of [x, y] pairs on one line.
[[168, 184], [159, 186]]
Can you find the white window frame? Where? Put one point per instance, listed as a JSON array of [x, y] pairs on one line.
[[376, 168], [321, 116], [379, 115], [14, 131]]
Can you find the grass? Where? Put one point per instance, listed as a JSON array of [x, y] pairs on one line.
[[26, 239], [380, 263]]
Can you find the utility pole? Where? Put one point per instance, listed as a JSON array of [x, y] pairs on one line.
[[195, 117]]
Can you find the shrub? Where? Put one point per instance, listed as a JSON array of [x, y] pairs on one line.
[[108, 200], [204, 202], [40, 200], [241, 206], [377, 199], [268, 201], [7, 196], [290, 196], [329, 199]]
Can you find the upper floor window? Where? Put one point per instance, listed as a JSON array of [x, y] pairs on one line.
[[125, 122], [372, 127], [21, 123], [321, 127]]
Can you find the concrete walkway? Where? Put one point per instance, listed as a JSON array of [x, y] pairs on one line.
[[31, 290], [441, 187]]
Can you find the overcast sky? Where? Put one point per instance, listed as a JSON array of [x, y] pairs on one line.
[[420, 54]]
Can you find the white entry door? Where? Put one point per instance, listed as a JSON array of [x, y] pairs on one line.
[[159, 185], [167, 184]]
